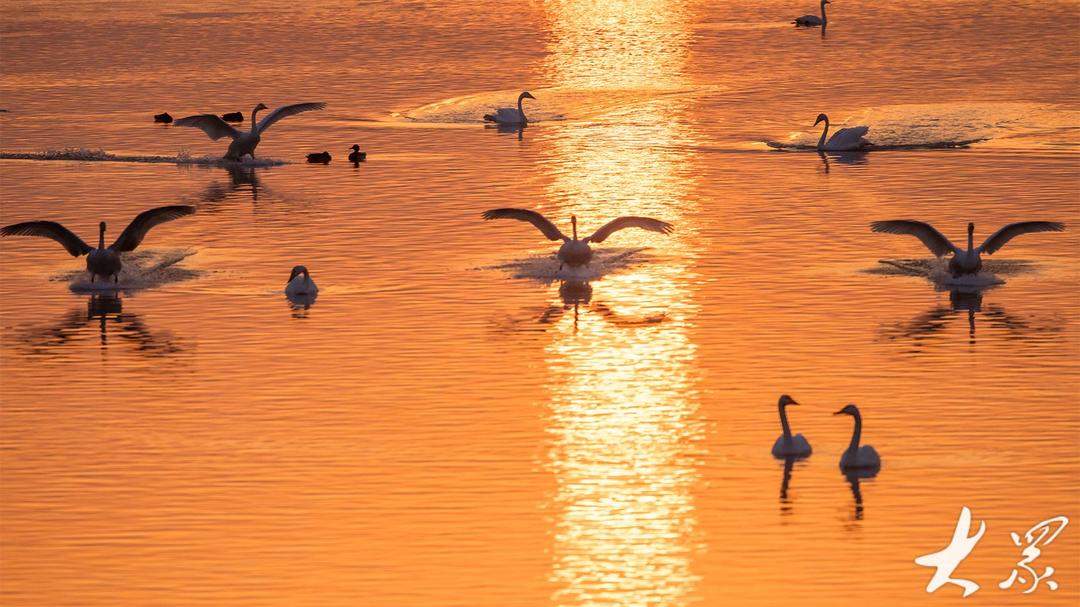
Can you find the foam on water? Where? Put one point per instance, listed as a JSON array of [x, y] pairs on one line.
[[545, 268], [99, 155], [143, 269], [937, 272]]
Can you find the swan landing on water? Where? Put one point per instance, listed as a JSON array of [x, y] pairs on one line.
[[244, 143], [787, 445], [812, 20], [509, 115], [844, 140], [101, 261], [574, 252], [968, 261], [855, 456]]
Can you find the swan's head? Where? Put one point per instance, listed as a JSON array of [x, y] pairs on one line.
[[786, 400], [101, 227], [355, 148], [296, 271], [526, 95], [259, 108], [848, 410], [971, 228], [821, 118]]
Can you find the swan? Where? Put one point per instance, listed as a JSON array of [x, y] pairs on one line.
[[787, 445], [844, 140], [103, 261], [856, 456], [356, 155], [813, 20], [233, 117], [163, 118], [319, 158], [508, 115], [244, 143], [574, 252], [963, 261], [300, 283]]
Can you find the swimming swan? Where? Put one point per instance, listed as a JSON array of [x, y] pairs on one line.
[[244, 143], [812, 20], [787, 445], [356, 155], [300, 283], [508, 115], [844, 140], [574, 252], [963, 261], [101, 261], [856, 456]]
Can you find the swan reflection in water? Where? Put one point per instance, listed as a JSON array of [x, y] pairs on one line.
[[577, 295], [969, 303], [854, 476], [855, 158], [105, 310], [240, 178], [786, 503]]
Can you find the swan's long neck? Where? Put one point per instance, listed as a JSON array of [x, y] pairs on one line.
[[856, 435], [101, 237], [254, 123], [573, 224], [521, 110], [824, 132], [784, 423], [823, 19], [971, 239]]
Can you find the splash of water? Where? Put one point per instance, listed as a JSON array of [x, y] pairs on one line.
[[937, 271], [99, 155], [142, 269], [545, 268]]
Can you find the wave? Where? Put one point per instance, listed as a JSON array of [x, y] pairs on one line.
[[99, 155]]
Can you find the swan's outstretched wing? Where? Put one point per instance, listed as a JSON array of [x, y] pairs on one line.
[[1004, 235], [287, 110], [934, 240], [532, 217], [645, 223], [850, 137], [49, 229], [210, 124], [137, 229]]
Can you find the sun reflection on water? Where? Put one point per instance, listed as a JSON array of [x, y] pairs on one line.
[[624, 422]]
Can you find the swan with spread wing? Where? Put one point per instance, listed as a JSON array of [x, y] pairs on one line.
[[101, 261], [244, 142], [576, 252], [963, 261]]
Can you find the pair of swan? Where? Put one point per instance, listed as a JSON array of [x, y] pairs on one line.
[[101, 261], [855, 456], [963, 261], [244, 143], [576, 252], [813, 20], [510, 116]]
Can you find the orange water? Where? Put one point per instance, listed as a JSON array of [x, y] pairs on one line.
[[448, 424]]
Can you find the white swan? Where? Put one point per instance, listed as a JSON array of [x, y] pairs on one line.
[[300, 283], [509, 115], [963, 261], [856, 456], [101, 261], [574, 252], [813, 20], [787, 445], [244, 143], [844, 140]]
